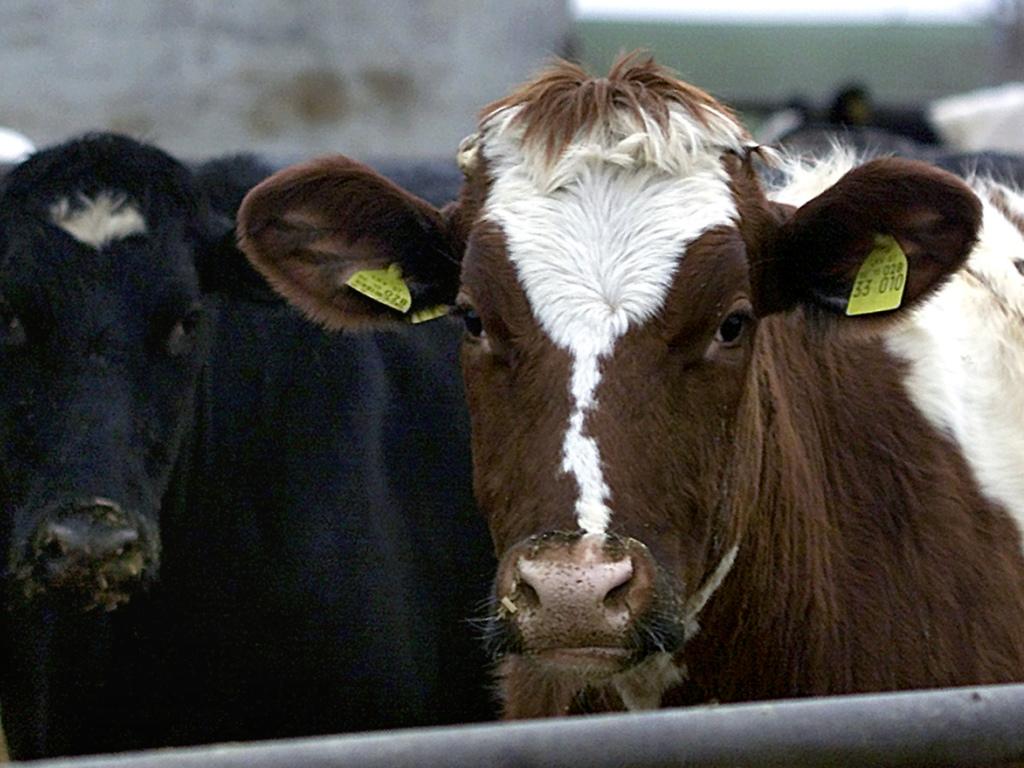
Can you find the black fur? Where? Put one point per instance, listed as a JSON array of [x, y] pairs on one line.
[[309, 494]]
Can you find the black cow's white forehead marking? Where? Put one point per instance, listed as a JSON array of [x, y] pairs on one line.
[[99, 220]]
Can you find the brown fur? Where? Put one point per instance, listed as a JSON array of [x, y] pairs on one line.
[[853, 516], [565, 100], [868, 558], [294, 225]]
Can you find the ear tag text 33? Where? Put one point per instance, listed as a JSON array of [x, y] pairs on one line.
[[383, 285], [881, 279]]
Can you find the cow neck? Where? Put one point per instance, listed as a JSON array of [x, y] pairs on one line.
[[779, 519]]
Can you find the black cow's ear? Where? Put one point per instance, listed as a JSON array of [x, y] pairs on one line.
[[223, 268], [881, 239], [221, 184], [347, 246]]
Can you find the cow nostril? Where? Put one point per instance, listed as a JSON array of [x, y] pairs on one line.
[[101, 510], [527, 594], [53, 549], [616, 597]]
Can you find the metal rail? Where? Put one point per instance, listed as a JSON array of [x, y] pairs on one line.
[[977, 726]]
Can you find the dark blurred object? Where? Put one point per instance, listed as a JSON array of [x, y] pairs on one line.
[[851, 108], [437, 181], [819, 140], [1002, 167]]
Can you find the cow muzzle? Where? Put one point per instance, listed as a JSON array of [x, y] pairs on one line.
[[575, 601], [92, 553]]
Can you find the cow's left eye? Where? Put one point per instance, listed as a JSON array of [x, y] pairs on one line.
[[182, 338], [12, 332], [731, 330]]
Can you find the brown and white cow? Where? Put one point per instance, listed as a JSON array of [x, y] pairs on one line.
[[703, 479]]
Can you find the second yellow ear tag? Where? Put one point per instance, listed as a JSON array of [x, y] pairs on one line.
[[383, 285], [881, 279], [430, 313]]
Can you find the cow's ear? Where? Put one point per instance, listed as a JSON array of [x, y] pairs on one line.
[[347, 246], [885, 236]]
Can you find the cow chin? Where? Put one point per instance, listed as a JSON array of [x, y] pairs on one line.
[[591, 664]]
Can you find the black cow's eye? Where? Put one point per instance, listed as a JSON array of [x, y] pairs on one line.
[[12, 332], [182, 338], [731, 329]]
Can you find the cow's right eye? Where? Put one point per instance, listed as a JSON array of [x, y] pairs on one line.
[[470, 317], [12, 331], [182, 338]]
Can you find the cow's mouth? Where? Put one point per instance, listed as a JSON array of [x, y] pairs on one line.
[[590, 661], [84, 585]]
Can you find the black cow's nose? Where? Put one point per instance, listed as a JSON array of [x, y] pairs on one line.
[[96, 529], [90, 545]]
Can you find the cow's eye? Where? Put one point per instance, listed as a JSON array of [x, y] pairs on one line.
[[182, 338], [731, 330], [470, 317], [474, 325], [12, 331]]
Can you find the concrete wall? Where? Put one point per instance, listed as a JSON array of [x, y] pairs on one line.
[[285, 77]]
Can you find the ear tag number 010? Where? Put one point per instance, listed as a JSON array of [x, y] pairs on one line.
[[881, 279], [387, 287], [383, 285]]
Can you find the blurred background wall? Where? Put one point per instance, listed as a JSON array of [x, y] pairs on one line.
[[400, 78], [405, 78]]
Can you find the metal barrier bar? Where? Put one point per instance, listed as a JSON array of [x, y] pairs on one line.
[[979, 725]]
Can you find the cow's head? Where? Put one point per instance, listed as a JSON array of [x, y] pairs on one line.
[[613, 257], [100, 347]]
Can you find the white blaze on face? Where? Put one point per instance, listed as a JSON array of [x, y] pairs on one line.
[[596, 243], [98, 221]]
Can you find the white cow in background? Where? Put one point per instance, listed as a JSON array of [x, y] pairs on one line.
[[14, 147], [987, 119]]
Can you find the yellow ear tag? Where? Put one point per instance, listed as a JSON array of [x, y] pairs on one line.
[[430, 313], [383, 285], [881, 279]]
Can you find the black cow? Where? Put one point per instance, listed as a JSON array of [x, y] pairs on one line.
[[282, 518]]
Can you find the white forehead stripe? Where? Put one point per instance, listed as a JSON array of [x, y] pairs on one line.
[[98, 221], [596, 251]]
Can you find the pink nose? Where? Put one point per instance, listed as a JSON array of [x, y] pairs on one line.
[[568, 590], [587, 578]]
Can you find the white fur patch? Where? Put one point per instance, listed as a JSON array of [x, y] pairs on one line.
[[965, 348], [965, 345], [98, 221], [696, 602], [596, 239], [804, 178], [641, 687]]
